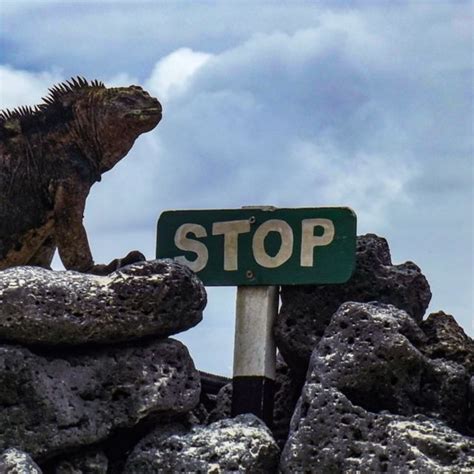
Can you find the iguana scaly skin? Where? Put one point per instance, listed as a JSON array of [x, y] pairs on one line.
[[51, 155]]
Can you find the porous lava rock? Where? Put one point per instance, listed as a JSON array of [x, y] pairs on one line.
[[306, 310], [90, 461], [14, 461], [373, 402], [288, 386], [158, 297], [447, 340], [54, 403], [223, 408], [330, 434], [240, 444]]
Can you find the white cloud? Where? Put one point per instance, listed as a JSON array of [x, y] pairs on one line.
[[18, 87], [360, 180], [172, 74], [365, 107]]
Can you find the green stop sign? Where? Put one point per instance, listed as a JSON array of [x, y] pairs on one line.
[[261, 246]]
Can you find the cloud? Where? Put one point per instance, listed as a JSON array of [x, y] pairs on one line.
[[172, 74], [364, 106], [19, 87], [262, 122]]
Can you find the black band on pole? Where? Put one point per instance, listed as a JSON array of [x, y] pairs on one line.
[[252, 394]]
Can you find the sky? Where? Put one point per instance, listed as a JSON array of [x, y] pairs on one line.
[[291, 104]]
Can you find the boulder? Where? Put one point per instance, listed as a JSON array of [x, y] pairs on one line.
[[370, 352], [39, 306], [90, 461], [240, 444], [373, 402], [223, 408], [55, 403], [288, 387], [306, 310], [447, 340], [14, 461], [330, 434]]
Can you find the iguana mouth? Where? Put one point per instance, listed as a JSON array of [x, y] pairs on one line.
[[144, 112], [152, 111]]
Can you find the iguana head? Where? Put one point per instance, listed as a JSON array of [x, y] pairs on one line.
[[132, 106], [103, 123], [120, 115]]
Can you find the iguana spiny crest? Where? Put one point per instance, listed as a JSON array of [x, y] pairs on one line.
[[51, 155]]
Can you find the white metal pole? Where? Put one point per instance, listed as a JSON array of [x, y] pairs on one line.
[[254, 351]]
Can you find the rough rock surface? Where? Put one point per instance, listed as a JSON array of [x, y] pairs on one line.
[[447, 340], [14, 461], [159, 298], [307, 310], [53, 403], [87, 462], [241, 444], [330, 434], [223, 408], [288, 388], [366, 377]]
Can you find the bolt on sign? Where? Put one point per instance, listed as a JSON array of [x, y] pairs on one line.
[[261, 246]]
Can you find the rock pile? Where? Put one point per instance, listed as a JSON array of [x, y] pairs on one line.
[[87, 369], [90, 381], [307, 310], [385, 390], [374, 402]]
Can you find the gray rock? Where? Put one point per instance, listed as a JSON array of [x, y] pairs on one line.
[[330, 434], [87, 462], [54, 403], [447, 340], [307, 310], [288, 387], [470, 419], [211, 385], [159, 298], [242, 444], [14, 461], [367, 388], [223, 408], [369, 352]]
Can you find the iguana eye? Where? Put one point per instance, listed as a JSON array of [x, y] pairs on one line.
[[127, 100]]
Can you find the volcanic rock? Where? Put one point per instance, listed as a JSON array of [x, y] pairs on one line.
[[447, 340], [87, 462], [373, 402], [307, 310], [241, 444], [54, 403], [330, 434], [14, 461], [39, 306], [223, 408], [288, 386]]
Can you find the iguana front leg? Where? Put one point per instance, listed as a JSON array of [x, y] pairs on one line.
[[70, 234]]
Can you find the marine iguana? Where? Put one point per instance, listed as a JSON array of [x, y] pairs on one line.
[[51, 155]]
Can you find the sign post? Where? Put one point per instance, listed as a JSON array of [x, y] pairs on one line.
[[257, 250], [254, 351]]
